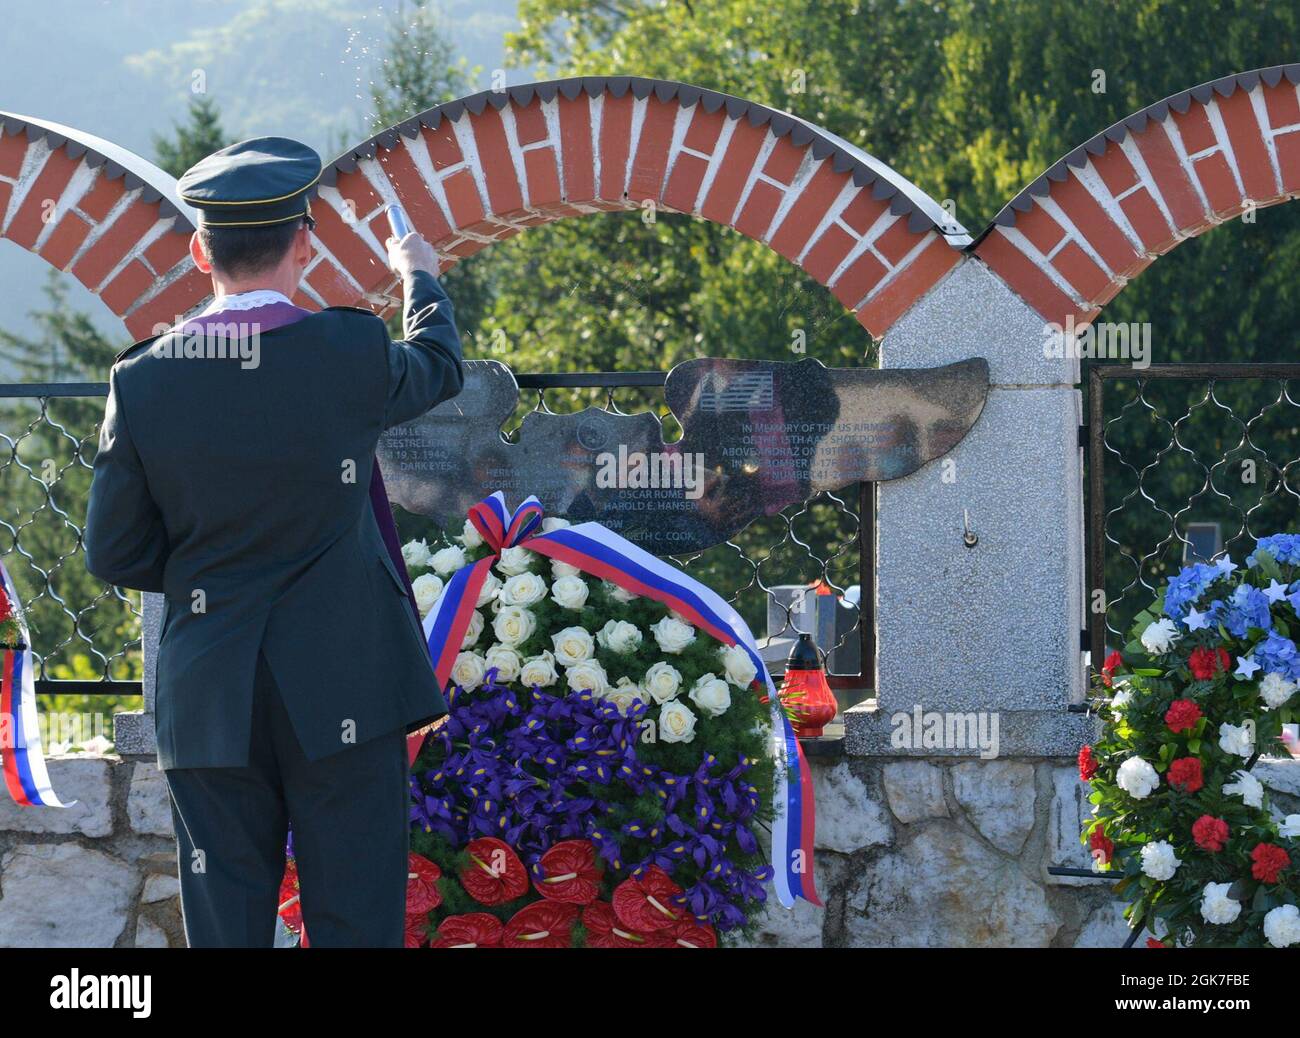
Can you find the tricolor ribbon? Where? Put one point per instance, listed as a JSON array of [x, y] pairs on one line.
[[596, 550], [25, 774]]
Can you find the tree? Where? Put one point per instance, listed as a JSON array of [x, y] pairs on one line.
[[196, 140]]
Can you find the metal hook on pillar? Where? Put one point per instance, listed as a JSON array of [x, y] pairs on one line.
[[969, 537]]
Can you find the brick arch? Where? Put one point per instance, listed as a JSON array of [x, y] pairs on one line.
[[1078, 234], [483, 168], [86, 206]]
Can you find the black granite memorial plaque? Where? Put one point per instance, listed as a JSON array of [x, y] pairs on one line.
[[757, 436]]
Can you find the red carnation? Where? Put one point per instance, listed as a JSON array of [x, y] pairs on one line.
[[567, 872], [494, 874], [1182, 715], [1210, 833], [1103, 849], [1112, 663], [649, 901], [471, 930], [1185, 774], [1206, 663], [1088, 764], [543, 924], [422, 876], [1268, 860], [6, 610]]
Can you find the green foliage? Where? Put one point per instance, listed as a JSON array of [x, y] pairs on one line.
[[196, 140]]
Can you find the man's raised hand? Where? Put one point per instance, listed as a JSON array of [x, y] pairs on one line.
[[410, 254]]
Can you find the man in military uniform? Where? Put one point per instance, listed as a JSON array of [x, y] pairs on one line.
[[235, 481]]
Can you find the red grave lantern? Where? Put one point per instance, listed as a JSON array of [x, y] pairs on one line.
[[804, 691]]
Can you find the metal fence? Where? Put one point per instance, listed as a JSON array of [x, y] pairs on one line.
[[86, 636]]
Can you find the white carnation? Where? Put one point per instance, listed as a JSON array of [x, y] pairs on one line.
[[620, 594], [662, 682], [1216, 906], [448, 560], [1137, 778], [474, 629], [569, 592], [737, 667], [676, 722], [1237, 739], [539, 670], [1282, 926], [672, 635], [1275, 690], [1290, 827], [712, 695], [469, 536], [1159, 860], [588, 675], [523, 589], [1160, 636], [514, 625], [468, 671], [514, 561], [573, 645], [619, 636], [428, 589], [415, 554], [1246, 786], [506, 661]]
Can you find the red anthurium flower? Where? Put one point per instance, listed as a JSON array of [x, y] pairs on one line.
[[1182, 715], [422, 877], [645, 903], [1206, 663], [1153, 943], [471, 930], [1088, 764], [605, 931], [1103, 849], [494, 874], [1210, 833], [1108, 668], [543, 924], [569, 873], [1267, 861], [417, 931], [1185, 774], [290, 904], [690, 934]]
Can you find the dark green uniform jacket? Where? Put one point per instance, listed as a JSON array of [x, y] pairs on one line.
[[241, 493]]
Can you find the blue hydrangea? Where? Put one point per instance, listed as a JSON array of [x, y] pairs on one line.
[[1187, 587], [1247, 607], [1276, 654], [1284, 547]]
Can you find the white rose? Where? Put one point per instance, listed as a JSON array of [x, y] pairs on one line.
[[619, 636], [569, 592], [588, 675], [1275, 690], [662, 682], [672, 635], [468, 671], [737, 667], [620, 594], [488, 592], [563, 569], [514, 625], [1282, 926], [552, 523], [624, 695], [470, 537], [539, 671], [448, 560], [573, 645], [415, 554], [1246, 786], [1290, 827], [1237, 739], [427, 590], [525, 589], [712, 695], [1160, 636], [1137, 778], [1159, 860], [1216, 906], [506, 661], [474, 629], [676, 722], [514, 561]]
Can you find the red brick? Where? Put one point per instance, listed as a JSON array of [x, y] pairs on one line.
[[651, 159], [825, 256], [908, 285], [1090, 219], [615, 142], [530, 122], [6, 192], [733, 173], [65, 240], [803, 217], [1088, 279], [340, 240], [168, 250], [759, 209], [704, 130], [575, 149], [357, 194], [1281, 104], [784, 161], [684, 182], [332, 285], [1148, 221], [1219, 184], [1024, 277], [463, 199], [543, 177], [896, 241], [13, 146], [1043, 232], [301, 298], [495, 159], [1167, 171], [1195, 129], [862, 211], [467, 248], [120, 238], [1288, 159], [861, 277], [129, 285], [1248, 148], [442, 145], [102, 196], [173, 302], [1115, 170], [28, 223], [425, 213]]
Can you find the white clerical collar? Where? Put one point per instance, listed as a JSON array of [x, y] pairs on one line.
[[246, 301]]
